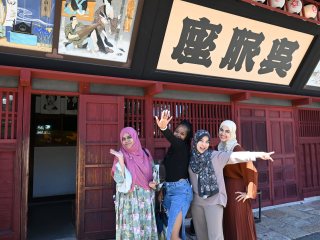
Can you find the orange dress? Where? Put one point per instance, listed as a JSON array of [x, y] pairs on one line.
[[238, 220]]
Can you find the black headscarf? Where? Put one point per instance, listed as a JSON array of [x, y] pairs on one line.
[[201, 164]]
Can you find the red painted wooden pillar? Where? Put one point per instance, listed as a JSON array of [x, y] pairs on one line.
[[23, 137], [149, 118]]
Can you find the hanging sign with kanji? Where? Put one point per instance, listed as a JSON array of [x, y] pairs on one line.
[[205, 41]]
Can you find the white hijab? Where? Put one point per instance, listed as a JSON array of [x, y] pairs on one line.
[[229, 145]]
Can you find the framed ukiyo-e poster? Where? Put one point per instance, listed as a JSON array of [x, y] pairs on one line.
[[91, 31], [314, 80], [27, 25], [97, 29]]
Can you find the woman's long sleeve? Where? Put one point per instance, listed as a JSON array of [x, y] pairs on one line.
[[118, 174], [171, 138], [250, 176], [239, 157]]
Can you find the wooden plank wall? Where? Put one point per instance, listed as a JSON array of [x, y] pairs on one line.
[[309, 151]]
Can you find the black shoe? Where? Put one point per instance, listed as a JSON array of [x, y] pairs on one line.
[[109, 44], [190, 232]]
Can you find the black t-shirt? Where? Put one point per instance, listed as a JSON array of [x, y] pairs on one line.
[[176, 161]]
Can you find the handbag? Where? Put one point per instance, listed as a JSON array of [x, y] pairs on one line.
[[161, 219], [161, 170], [164, 215]]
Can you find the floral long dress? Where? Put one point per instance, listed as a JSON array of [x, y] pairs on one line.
[[135, 213]]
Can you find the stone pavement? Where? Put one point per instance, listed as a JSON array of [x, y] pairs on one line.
[[297, 220]]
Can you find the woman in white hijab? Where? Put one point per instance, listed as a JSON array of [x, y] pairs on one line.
[[241, 182], [207, 180]]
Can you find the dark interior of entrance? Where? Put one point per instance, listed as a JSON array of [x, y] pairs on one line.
[[52, 167]]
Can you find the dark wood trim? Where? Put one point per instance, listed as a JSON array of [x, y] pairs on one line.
[[147, 84], [25, 77], [302, 101], [154, 89], [240, 96], [306, 68], [84, 88]]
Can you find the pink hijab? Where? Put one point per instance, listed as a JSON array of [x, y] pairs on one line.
[[136, 160]]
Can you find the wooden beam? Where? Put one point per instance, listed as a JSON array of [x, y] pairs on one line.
[[9, 71], [84, 87], [302, 101], [240, 96], [25, 77], [154, 89]]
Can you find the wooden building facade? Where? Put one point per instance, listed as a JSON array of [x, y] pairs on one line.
[[271, 117]]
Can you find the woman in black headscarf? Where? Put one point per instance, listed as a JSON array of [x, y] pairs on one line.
[[206, 176]]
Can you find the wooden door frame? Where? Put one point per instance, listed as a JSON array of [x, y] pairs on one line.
[[25, 102], [239, 105], [12, 143], [24, 142], [80, 149]]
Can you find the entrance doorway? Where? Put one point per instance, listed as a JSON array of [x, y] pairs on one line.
[[52, 167]]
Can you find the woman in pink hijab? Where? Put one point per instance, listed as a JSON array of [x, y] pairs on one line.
[[134, 204]]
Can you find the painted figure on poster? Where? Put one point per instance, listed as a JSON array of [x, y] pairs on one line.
[[85, 36], [11, 12], [105, 15], [129, 16], [76, 38], [72, 103], [46, 8], [51, 103], [105, 11], [2, 19], [76, 7], [27, 24], [110, 41]]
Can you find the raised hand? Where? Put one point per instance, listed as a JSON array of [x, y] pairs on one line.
[[119, 155], [165, 119]]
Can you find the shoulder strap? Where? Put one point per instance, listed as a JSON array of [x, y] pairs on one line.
[[145, 152]]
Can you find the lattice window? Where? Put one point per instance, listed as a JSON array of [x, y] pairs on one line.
[[309, 123], [202, 115], [8, 115], [134, 114]]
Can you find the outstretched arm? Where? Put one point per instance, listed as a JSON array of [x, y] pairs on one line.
[[238, 157]]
